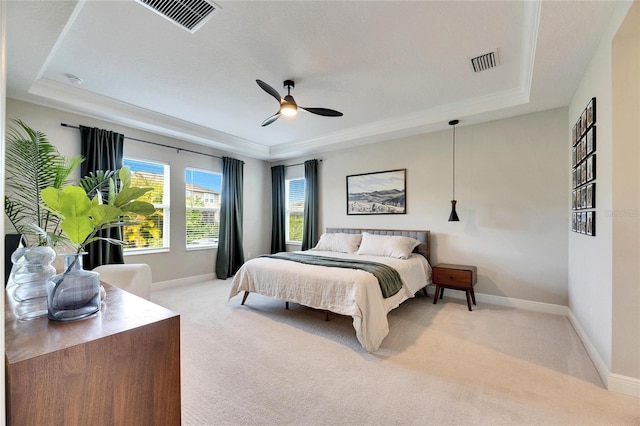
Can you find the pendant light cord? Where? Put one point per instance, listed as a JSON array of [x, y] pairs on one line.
[[454, 162]]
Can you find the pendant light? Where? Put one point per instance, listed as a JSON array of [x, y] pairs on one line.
[[453, 217]]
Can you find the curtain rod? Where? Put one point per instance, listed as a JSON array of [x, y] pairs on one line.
[[298, 164], [156, 143]]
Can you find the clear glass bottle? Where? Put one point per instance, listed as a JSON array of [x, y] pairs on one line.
[[75, 293], [28, 281]]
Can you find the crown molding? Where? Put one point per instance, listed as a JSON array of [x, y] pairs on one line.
[[72, 99]]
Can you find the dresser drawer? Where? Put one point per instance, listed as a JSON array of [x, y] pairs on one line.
[[453, 277]]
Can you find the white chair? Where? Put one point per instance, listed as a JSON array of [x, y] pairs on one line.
[[134, 278]]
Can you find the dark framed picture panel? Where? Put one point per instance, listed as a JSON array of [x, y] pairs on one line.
[[591, 112], [591, 196], [377, 193], [591, 140], [583, 171], [590, 228]]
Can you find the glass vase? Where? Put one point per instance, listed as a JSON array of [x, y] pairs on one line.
[[75, 293], [28, 281]]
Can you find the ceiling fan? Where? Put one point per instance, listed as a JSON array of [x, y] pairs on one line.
[[288, 105]]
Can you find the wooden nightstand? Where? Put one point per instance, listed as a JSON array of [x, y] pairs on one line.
[[457, 277]]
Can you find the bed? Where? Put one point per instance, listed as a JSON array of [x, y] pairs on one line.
[[341, 289]]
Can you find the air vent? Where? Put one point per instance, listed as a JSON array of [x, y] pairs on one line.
[[189, 14], [484, 62]]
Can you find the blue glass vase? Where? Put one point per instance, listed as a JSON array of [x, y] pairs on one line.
[[75, 293]]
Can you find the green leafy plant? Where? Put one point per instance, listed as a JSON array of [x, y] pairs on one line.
[[32, 164], [83, 214]]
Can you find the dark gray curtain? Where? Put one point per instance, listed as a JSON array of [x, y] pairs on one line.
[[278, 209], [310, 224], [102, 150], [230, 253]]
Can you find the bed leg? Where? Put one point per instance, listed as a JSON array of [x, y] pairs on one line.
[[286, 305], [246, 294], [326, 315], [424, 289]]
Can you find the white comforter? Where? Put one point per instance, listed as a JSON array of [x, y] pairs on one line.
[[344, 291]]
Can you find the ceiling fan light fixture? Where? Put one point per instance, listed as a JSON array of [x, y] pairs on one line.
[[288, 108], [288, 105]]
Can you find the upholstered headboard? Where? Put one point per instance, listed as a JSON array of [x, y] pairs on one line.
[[423, 236]]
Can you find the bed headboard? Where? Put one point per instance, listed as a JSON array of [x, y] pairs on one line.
[[423, 236]]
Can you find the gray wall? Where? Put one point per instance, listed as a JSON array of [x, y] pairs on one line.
[[512, 199], [178, 262]]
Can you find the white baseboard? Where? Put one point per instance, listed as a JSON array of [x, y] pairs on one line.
[[598, 362], [624, 384], [509, 302], [182, 281], [613, 382]]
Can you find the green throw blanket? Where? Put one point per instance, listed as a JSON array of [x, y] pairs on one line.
[[389, 278]]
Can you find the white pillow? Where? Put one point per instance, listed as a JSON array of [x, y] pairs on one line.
[[387, 245], [344, 243]]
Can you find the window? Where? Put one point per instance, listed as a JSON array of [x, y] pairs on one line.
[[152, 232], [295, 210], [203, 207]]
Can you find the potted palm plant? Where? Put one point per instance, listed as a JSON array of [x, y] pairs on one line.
[[48, 211], [32, 164]]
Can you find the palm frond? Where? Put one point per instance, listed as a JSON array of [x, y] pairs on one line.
[[97, 182], [32, 164]]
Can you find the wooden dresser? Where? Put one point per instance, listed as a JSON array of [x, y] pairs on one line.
[[119, 366]]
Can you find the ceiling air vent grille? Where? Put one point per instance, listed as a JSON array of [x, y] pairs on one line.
[[484, 62], [189, 14]]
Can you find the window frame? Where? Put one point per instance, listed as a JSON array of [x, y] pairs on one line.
[[288, 210], [203, 209], [165, 206]]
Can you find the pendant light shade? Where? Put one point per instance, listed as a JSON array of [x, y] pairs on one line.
[[453, 217]]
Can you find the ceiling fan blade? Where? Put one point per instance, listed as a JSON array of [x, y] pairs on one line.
[[323, 111], [271, 119], [270, 90]]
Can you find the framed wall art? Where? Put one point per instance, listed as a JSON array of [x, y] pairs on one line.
[[583, 171], [377, 193]]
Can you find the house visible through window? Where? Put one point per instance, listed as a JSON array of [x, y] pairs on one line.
[[295, 210], [152, 232], [203, 207]]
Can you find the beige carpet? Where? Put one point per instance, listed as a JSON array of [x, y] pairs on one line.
[[260, 364]]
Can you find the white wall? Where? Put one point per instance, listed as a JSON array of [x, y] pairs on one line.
[[625, 357], [512, 199], [591, 259], [178, 262]]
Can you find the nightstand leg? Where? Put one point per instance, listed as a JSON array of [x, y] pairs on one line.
[[441, 292], [468, 293], [435, 295], [473, 296]]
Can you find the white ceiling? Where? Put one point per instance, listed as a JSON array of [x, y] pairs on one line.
[[394, 68]]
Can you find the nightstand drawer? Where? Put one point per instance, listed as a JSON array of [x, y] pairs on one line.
[[453, 277]]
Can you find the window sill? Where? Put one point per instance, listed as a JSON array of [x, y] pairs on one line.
[[293, 243], [135, 252], [195, 248]]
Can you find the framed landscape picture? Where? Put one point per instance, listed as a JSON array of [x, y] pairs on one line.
[[377, 193]]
